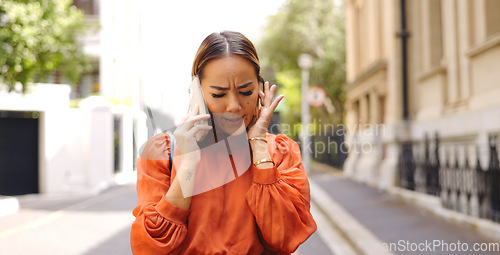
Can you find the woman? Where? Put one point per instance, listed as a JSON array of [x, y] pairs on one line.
[[261, 210]]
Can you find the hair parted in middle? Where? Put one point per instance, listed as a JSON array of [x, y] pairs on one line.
[[225, 44]]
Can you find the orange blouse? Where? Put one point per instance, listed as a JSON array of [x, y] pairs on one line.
[[262, 211]]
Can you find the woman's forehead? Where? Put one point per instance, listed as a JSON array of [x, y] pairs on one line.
[[232, 70]]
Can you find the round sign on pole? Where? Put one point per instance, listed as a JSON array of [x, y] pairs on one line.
[[316, 96]]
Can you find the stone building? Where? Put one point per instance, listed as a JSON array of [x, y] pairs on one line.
[[418, 69]]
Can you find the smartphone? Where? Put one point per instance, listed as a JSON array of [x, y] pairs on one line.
[[196, 97]]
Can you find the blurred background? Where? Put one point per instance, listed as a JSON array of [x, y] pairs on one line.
[[394, 103]]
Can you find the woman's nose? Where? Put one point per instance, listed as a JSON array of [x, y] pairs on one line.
[[233, 105]]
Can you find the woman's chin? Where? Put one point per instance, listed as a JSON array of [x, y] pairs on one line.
[[230, 125], [233, 130]]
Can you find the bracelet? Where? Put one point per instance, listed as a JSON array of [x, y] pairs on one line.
[[257, 138], [263, 161]]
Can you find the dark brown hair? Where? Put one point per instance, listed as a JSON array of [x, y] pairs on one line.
[[225, 44]]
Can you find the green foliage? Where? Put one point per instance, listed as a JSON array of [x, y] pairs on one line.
[[315, 27], [38, 37], [289, 85]]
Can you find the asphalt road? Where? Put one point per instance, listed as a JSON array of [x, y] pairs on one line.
[[77, 224], [83, 224]]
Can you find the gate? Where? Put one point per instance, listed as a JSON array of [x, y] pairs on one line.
[[18, 152]]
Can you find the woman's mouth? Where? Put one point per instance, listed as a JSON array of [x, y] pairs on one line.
[[230, 123], [233, 121]]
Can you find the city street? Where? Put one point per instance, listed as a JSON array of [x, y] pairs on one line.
[[352, 218], [397, 99], [86, 224]]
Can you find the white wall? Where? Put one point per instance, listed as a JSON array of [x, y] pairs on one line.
[[76, 145]]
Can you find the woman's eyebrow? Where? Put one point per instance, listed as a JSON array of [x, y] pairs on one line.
[[225, 88], [218, 88], [245, 85]]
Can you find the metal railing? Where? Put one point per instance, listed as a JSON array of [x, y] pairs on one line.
[[329, 148], [461, 185]]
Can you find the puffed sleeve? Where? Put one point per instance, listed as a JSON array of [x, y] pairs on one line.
[[279, 198], [159, 227]]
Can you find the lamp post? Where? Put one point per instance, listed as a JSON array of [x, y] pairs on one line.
[[305, 63]]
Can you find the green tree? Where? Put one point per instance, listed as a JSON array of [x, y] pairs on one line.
[[38, 37], [315, 27]]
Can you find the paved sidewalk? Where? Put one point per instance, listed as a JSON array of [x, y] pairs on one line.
[[389, 220]]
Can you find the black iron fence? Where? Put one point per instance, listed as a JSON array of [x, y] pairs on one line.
[[330, 148], [462, 185]]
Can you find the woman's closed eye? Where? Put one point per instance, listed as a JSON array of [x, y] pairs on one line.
[[246, 93], [218, 95]]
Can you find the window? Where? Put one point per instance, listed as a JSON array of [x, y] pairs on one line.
[[381, 119], [435, 36], [492, 17], [89, 7]]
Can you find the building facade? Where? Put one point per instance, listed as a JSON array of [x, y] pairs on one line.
[[418, 70], [85, 145]]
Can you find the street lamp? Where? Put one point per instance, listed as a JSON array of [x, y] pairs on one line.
[[305, 63]]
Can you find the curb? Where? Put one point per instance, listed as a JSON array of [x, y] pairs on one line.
[[433, 205], [334, 239], [8, 205], [363, 240]]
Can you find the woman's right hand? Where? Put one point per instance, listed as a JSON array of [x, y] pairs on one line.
[[185, 136]]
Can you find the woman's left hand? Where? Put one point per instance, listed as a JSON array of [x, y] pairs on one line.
[[260, 127]]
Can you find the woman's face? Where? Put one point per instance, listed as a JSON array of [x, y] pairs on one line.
[[230, 88]]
